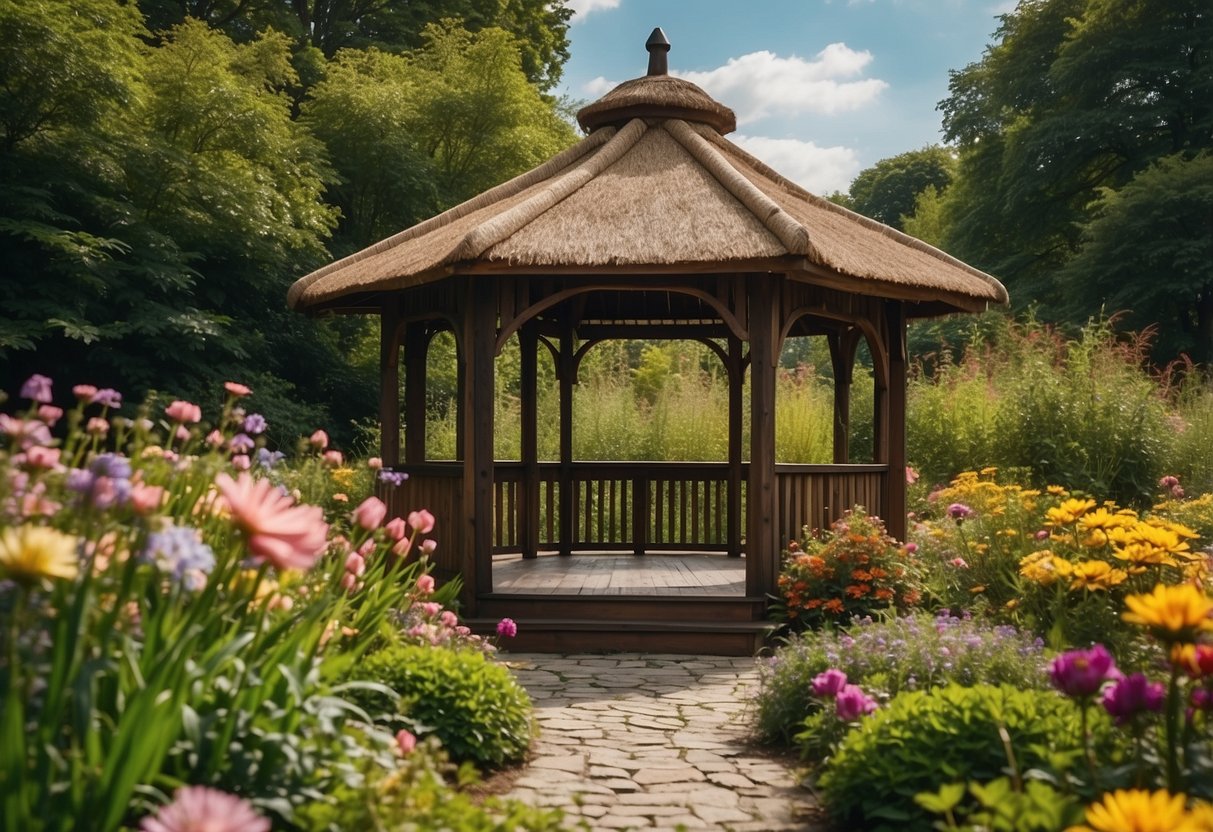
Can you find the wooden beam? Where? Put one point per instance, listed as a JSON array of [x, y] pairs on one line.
[[565, 373], [762, 551], [895, 479], [842, 357], [528, 393], [476, 415], [736, 371], [416, 352], [389, 382]]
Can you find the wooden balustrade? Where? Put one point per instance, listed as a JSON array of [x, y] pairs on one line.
[[629, 506]]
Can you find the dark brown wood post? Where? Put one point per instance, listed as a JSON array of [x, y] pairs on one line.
[[479, 347], [565, 373], [416, 349], [880, 394], [895, 485], [736, 370], [389, 382], [528, 514], [842, 357], [762, 552]]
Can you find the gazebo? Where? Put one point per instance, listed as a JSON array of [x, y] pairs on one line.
[[653, 226]]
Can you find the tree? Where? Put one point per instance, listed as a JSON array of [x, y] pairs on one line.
[[887, 191], [1074, 100]]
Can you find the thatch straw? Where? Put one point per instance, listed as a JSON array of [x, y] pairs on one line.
[[657, 96]]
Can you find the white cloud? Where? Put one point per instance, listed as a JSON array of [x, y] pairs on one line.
[[581, 8], [763, 84], [599, 86], [821, 170]]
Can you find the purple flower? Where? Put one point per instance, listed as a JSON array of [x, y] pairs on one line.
[[395, 478], [1132, 695], [27, 432], [240, 443], [507, 628], [268, 459], [254, 423], [1081, 673], [1202, 699], [829, 683], [960, 512], [37, 388], [114, 466], [107, 397], [851, 703], [180, 552]]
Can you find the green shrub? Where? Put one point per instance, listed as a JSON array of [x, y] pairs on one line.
[[474, 706], [925, 739], [886, 657]]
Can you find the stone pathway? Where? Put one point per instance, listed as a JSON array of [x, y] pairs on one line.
[[638, 741]]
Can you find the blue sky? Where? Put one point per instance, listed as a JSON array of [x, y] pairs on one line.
[[822, 88]]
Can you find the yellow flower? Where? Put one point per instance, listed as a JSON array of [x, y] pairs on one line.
[[1103, 519], [1172, 613], [1044, 567], [1095, 574], [989, 471], [31, 553], [1141, 554], [1068, 512], [343, 477], [1136, 810], [1057, 491]]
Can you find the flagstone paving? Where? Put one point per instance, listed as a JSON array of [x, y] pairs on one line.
[[655, 742]]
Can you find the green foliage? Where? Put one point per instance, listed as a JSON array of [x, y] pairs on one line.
[[924, 738], [476, 708], [888, 656], [999, 806], [889, 190], [1074, 102]]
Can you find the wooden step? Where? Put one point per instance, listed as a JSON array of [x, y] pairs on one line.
[[618, 608], [580, 635]]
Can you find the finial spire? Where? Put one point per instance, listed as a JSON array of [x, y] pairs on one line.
[[659, 48]]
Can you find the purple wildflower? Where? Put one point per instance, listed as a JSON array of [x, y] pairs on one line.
[[240, 443], [395, 478], [268, 459], [180, 552], [255, 424], [114, 466], [37, 388], [1132, 695], [107, 397], [960, 512], [1081, 673]]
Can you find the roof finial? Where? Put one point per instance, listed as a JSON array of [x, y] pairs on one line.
[[659, 47]]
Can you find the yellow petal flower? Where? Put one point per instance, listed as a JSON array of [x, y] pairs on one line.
[[31, 553], [1173, 613], [1068, 512], [1136, 810], [1095, 574]]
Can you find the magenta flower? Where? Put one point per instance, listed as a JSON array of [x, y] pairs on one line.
[[829, 683], [184, 412], [851, 703], [370, 513], [1081, 673], [37, 388], [506, 628], [107, 397], [196, 808], [1132, 695], [1168, 481], [911, 547], [960, 512]]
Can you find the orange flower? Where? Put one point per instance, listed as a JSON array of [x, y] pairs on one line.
[[813, 603], [884, 594], [861, 575], [858, 590], [834, 606]]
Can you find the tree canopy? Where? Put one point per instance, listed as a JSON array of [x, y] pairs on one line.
[[888, 190]]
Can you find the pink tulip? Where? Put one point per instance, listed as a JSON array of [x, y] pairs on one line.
[[426, 584], [421, 521], [395, 529], [84, 392], [355, 564], [279, 532], [448, 619], [428, 547], [236, 388], [374, 463], [319, 440], [184, 412], [370, 513], [402, 547], [431, 609], [405, 742], [333, 458]]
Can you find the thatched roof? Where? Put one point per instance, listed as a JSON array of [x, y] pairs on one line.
[[654, 185]]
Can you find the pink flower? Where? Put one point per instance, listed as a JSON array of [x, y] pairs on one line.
[[287, 535], [421, 521], [37, 388], [428, 546], [829, 682], [1168, 481], [107, 397], [39, 456], [449, 619], [84, 392], [215, 439], [27, 432], [959, 563], [405, 742], [146, 498], [370, 513], [374, 463], [202, 809], [402, 547], [184, 412], [319, 440], [236, 388], [1081, 673], [852, 703], [1131, 696], [911, 475], [355, 564], [426, 584], [911, 547], [507, 628], [241, 462], [1042, 534], [333, 458], [1177, 492], [395, 529], [50, 414], [349, 582], [183, 433], [960, 512], [431, 608], [97, 426]]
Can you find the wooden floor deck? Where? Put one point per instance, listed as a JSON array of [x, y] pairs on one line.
[[714, 575]]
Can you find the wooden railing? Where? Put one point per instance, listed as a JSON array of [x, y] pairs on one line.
[[630, 506], [817, 495]]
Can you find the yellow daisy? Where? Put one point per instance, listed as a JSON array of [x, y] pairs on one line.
[[1136, 810], [1068, 512], [31, 553], [1096, 575], [1172, 613]]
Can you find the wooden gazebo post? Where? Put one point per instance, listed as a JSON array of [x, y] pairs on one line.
[[895, 420], [479, 338], [762, 552]]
